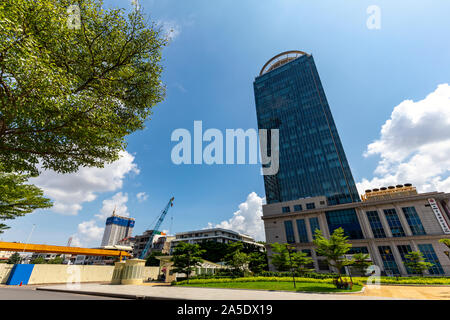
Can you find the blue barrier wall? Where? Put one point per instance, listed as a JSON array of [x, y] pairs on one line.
[[20, 273]]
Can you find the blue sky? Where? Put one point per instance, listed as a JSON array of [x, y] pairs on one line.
[[218, 48]]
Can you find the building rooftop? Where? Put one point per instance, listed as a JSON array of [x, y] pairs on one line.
[[281, 59]]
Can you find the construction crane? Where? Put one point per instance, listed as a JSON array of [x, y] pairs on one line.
[[155, 228]]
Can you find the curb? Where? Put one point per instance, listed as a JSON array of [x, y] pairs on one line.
[[106, 294]]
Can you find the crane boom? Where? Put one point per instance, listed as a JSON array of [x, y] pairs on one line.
[[158, 224]]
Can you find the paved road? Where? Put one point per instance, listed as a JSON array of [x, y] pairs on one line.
[[167, 292], [15, 293]]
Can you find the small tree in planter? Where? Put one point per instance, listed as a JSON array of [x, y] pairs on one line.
[[300, 262], [334, 250], [416, 262], [186, 257], [361, 262], [14, 258]]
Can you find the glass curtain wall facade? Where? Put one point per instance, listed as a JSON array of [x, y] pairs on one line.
[[312, 161]]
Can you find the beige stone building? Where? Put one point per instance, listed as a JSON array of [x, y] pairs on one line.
[[387, 224]]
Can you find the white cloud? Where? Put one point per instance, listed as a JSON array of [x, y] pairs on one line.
[[76, 242], [170, 28], [88, 233], [247, 219], [117, 203], [414, 145], [142, 196], [69, 191]]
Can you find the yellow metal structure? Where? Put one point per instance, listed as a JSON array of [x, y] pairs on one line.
[[42, 248], [389, 192]]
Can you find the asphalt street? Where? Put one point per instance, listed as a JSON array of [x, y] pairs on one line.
[[15, 293]]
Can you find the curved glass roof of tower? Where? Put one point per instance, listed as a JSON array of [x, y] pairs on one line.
[[289, 96]]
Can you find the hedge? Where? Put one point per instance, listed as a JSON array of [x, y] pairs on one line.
[[356, 280], [261, 279], [409, 280]]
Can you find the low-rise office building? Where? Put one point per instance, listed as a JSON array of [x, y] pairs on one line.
[[214, 234], [160, 242], [387, 224]]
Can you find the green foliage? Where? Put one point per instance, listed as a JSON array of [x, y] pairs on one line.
[[361, 262], [263, 279], [283, 260], [38, 260], [56, 260], [416, 262], [446, 242], [214, 251], [68, 97], [334, 249], [258, 262], [239, 261], [235, 258], [14, 258], [330, 279], [186, 257], [151, 259], [280, 257], [410, 280], [18, 198], [314, 275]]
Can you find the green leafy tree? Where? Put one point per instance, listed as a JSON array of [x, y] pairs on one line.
[[151, 259], [416, 262], [334, 250], [18, 198], [301, 262], [186, 257], [38, 260], [14, 258], [236, 258], [239, 261], [70, 95], [56, 260], [214, 251], [280, 257], [446, 242], [258, 262], [232, 248], [361, 261], [283, 260]]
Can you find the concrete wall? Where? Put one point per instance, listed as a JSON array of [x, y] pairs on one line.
[[151, 273], [60, 273], [5, 270], [54, 273]]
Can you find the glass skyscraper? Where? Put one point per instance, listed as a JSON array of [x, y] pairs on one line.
[[289, 97]]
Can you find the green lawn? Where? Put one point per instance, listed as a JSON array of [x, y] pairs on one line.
[[272, 285]]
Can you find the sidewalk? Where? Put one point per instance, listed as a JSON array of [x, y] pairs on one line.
[[409, 292], [164, 292]]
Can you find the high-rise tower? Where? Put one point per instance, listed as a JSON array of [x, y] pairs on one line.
[[116, 229], [289, 97]]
